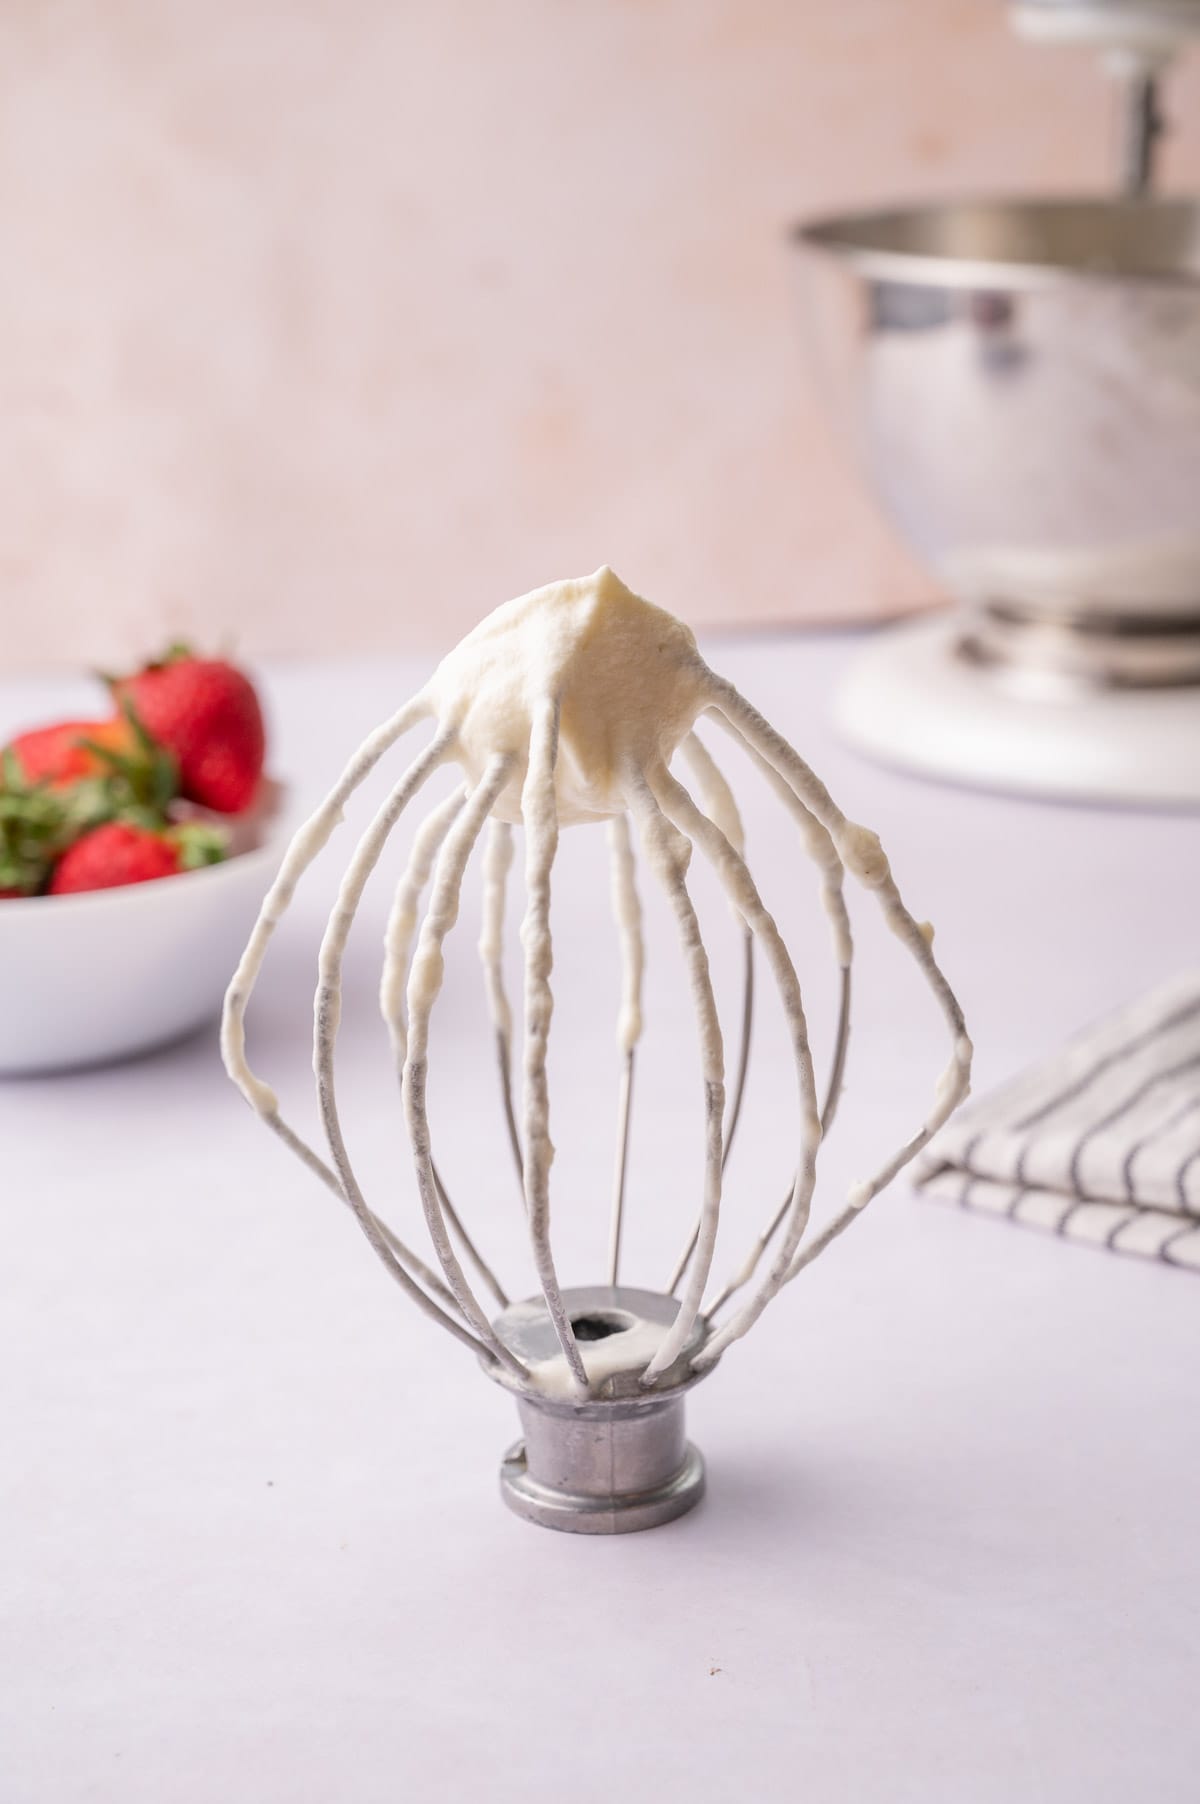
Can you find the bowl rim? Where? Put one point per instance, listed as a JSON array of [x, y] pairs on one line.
[[840, 235], [269, 850]]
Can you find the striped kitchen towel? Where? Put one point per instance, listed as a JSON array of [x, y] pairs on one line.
[[1099, 1143]]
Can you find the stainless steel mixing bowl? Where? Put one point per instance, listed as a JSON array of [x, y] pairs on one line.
[[1021, 382]]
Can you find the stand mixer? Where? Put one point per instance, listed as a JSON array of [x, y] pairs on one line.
[[1020, 380]]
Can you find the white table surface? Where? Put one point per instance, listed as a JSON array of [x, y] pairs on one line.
[[252, 1544]]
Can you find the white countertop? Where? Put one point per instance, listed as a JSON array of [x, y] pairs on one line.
[[253, 1546]]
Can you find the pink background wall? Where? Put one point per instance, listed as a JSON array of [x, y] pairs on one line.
[[329, 325]]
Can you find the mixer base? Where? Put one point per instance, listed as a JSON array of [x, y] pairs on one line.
[[914, 701]]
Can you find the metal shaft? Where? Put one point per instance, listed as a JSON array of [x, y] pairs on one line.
[[1143, 124], [624, 1106]]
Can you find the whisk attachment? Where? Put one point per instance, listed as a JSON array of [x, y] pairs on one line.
[[564, 707]]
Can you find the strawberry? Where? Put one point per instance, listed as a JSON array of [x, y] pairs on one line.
[[68, 750], [207, 713], [38, 821], [121, 852], [118, 752]]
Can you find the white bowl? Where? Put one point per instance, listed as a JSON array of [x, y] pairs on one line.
[[89, 978]]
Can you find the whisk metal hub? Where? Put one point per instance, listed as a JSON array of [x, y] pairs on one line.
[[618, 1460], [606, 1469]]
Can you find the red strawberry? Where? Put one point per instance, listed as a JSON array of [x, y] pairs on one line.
[[119, 853], [70, 750], [207, 713], [38, 821]]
